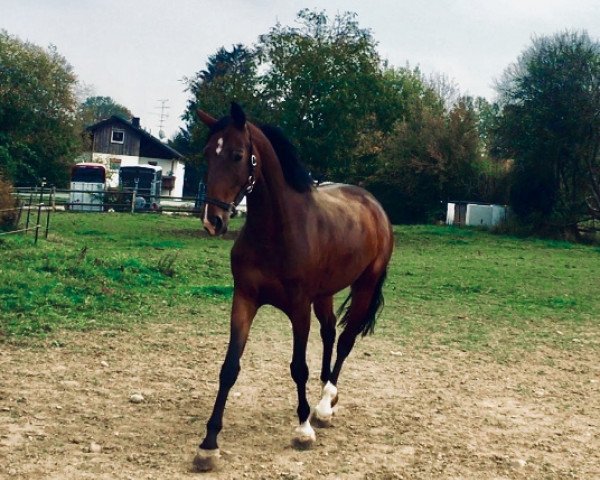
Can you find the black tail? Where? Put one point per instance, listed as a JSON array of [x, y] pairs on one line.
[[367, 326]]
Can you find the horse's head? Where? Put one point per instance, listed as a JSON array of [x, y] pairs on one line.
[[231, 164]]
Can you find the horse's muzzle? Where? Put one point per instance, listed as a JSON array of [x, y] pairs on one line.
[[215, 225]]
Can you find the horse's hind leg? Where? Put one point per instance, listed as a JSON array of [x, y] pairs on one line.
[[324, 311], [360, 317]]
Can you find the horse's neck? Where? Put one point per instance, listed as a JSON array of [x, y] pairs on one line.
[[271, 203]]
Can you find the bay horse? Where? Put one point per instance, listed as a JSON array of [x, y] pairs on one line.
[[299, 246]]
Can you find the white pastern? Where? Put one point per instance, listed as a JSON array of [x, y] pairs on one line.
[[219, 146], [305, 432], [323, 409]]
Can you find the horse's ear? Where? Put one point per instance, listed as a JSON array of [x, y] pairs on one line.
[[205, 118], [237, 115]]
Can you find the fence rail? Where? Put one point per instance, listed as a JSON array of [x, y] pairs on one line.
[[29, 227], [123, 199], [107, 198], [35, 201]]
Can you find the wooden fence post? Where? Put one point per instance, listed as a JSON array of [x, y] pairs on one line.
[[42, 191], [48, 210], [37, 224], [29, 211]]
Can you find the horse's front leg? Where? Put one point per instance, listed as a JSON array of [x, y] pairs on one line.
[[304, 435], [242, 314]]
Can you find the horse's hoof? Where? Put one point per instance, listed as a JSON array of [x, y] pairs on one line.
[[323, 412], [206, 460], [304, 437], [321, 422], [303, 443]]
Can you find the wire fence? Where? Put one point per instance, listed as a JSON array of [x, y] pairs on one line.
[[38, 210], [36, 204], [133, 200]]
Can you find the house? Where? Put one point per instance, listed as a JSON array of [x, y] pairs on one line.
[[475, 214], [117, 142]]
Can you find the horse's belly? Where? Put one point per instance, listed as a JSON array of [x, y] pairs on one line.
[[332, 277]]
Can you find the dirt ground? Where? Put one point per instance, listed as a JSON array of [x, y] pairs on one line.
[[66, 410]]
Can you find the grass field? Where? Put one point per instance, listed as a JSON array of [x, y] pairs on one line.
[[484, 363], [458, 287]]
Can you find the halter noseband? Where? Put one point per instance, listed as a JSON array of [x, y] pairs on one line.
[[246, 189]]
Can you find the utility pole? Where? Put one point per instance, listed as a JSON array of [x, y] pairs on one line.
[[163, 115]]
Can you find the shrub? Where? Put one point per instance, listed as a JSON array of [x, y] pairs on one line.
[[9, 213]]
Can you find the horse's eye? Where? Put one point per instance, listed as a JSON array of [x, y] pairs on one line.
[[237, 156]]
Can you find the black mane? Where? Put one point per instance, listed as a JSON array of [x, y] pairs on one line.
[[294, 172]]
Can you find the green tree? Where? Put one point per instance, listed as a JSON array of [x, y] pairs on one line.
[[550, 126], [96, 108], [494, 180], [321, 85], [409, 139], [402, 96], [229, 75], [37, 112], [430, 157]]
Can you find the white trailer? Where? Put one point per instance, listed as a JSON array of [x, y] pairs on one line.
[[88, 186], [475, 214]]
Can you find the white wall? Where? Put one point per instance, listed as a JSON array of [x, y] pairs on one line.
[[177, 167], [485, 215], [450, 214], [112, 175], [479, 215], [112, 179], [499, 214]]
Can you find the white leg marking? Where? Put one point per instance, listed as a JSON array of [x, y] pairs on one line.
[[304, 435], [323, 410], [219, 146]]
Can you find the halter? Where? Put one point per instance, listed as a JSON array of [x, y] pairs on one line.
[[246, 189]]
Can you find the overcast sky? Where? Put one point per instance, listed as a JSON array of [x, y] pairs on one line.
[[138, 51]]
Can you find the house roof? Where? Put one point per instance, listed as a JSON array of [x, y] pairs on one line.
[[147, 141]]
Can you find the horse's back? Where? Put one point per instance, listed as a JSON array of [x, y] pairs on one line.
[[337, 233], [353, 202], [357, 216]]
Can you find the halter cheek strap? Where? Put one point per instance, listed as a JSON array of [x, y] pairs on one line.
[[246, 189], [249, 186]]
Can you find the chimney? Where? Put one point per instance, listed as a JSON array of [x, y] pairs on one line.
[[135, 122]]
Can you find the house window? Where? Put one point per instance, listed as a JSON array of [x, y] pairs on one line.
[[117, 136]]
